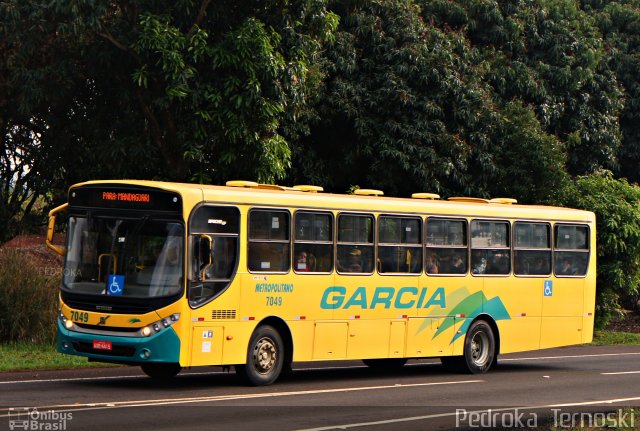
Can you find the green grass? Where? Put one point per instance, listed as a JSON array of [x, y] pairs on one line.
[[608, 338], [24, 356]]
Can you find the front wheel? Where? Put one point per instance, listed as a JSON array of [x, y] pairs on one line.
[[265, 357], [479, 348], [161, 372]]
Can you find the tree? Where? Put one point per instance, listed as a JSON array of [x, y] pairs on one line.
[[550, 55], [619, 23], [402, 108]]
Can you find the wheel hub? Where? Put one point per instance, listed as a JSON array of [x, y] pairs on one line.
[[480, 348], [265, 355]]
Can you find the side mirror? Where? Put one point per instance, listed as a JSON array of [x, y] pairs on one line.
[[51, 230]]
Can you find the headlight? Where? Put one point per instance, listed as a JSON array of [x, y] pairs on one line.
[[65, 322], [159, 325]]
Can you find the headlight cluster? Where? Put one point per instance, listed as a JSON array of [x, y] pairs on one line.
[[159, 325], [66, 322]]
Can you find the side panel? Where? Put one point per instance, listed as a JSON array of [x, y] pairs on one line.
[[330, 340], [206, 342], [422, 341], [562, 313], [397, 339], [522, 300], [367, 339]]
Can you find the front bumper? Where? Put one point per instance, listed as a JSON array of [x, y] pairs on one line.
[[159, 348]]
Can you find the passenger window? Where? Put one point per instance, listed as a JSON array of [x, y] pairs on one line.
[[214, 251], [355, 243], [313, 242], [490, 252], [399, 248], [532, 248], [446, 241], [571, 254], [269, 245]]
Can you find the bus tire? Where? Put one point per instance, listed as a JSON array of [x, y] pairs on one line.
[[385, 363], [265, 357], [479, 348], [161, 372]]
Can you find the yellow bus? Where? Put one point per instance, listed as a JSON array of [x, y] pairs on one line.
[[167, 275]]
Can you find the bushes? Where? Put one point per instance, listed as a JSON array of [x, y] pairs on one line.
[[616, 204], [28, 299]]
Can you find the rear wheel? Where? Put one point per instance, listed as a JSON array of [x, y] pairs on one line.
[[479, 348], [479, 351], [265, 357], [161, 372]]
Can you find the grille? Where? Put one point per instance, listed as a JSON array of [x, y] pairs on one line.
[[223, 314], [115, 308], [106, 328], [115, 351]]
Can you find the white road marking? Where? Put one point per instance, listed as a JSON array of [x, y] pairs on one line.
[[620, 372], [597, 355], [170, 401]]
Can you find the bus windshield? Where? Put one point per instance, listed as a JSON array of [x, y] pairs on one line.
[[124, 257]]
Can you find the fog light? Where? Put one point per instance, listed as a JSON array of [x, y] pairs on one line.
[[145, 354], [68, 324], [146, 331], [65, 345]]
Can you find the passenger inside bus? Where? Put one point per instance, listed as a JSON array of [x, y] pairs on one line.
[[302, 264], [432, 264], [353, 262]]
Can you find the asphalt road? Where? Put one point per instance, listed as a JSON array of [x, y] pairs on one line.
[[558, 387]]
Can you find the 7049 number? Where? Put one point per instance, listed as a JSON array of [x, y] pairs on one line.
[[274, 301], [76, 316]]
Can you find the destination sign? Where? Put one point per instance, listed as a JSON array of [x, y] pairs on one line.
[[127, 197], [121, 197]]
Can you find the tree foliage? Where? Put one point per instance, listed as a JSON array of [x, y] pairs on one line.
[[396, 93], [619, 23]]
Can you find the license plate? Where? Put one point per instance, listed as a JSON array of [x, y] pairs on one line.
[[102, 345]]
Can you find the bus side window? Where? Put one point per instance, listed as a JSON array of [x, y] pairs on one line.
[[313, 242], [571, 252], [269, 247], [446, 241], [532, 248], [213, 251], [399, 245], [355, 243], [490, 249]]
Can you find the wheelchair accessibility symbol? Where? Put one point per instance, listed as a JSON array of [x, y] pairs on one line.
[[548, 288], [116, 285]]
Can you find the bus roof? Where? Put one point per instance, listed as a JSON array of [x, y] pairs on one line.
[[280, 196]]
